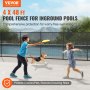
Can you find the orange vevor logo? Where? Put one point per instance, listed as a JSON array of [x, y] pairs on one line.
[[7, 82], [11, 3]]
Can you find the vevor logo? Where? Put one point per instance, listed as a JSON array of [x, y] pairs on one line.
[[11, 3]]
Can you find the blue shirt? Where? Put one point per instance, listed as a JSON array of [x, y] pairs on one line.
[[23, 49]]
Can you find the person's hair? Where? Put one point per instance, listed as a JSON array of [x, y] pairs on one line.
[[24, 37], [70, 45]]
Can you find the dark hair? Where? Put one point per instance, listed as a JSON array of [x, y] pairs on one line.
[[24, 37]]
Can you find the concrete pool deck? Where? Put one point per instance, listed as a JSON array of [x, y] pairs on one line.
[[54, 71]]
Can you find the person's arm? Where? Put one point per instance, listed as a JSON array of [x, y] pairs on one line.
[[35, 44], [64, 51], [76, 49]]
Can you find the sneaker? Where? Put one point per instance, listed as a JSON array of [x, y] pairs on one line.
[[82, 75], [65, 77], [27, 76], [13, 75]]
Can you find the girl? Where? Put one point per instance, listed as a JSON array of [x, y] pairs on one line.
[[71, 61], [21, 57]]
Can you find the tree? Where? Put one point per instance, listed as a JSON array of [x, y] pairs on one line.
[[76, 31], [5, 33]]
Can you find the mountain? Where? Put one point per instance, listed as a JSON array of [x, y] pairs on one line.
[[49, 29], [46, 33], [23, 30], [42, 29]]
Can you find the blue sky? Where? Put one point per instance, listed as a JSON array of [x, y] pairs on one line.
[[54, 7], [78, 8]]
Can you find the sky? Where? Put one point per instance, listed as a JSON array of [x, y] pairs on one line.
[[80, 8], [54, 7]]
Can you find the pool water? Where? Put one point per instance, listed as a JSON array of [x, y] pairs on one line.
[[54, 52]]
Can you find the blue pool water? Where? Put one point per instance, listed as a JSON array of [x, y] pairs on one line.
[[54, 52]]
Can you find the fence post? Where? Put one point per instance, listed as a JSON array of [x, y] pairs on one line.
[[87, 48], [1, 44], [63, 44], [40, 45], [20, 38]]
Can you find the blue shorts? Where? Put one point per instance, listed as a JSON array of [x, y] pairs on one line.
[[72, 63]]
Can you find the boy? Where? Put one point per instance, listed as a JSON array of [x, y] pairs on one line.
[[21, 56]]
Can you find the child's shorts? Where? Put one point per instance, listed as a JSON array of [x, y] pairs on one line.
[[72, 64]]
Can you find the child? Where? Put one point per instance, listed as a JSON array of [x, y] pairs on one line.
[[38, 59], [21, 56], [71, 61]]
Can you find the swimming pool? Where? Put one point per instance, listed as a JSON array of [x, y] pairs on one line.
[[52, 52]]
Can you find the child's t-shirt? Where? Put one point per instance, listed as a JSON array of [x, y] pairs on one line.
[[23, 49], [71, 60], [70, 55]]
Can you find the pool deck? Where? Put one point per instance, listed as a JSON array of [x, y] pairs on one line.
[[54, 71]]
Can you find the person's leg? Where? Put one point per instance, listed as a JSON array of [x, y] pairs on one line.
[[68, 71], [16, 68], [26, 75], [25, 66], [77, 70]]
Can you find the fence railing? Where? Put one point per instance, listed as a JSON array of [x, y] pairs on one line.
[[10, 43]]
